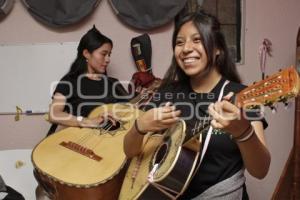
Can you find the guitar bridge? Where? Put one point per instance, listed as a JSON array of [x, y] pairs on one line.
[[82, 150]]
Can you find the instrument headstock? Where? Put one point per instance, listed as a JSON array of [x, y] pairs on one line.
[[278, 87]]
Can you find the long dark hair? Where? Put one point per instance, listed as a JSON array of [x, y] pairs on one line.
[[91, 41], [212, 38]]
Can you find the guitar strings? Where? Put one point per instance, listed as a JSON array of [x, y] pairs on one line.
[[86, 137], [108, 126], [138, 162], [90, 134]]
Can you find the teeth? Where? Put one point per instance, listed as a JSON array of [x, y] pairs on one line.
[[189, 60]]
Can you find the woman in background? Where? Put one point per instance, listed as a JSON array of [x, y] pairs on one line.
[[202, 70], [86, 85]]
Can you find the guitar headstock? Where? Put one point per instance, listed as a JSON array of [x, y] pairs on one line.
[[278, 87], [154, 85], [146, 93]]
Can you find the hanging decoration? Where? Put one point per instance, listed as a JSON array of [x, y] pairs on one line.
[[146, 15], [60, 13], [264, 50]]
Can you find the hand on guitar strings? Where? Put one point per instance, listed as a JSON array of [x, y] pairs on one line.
[[228, 117], [99, 121], [157, 119]]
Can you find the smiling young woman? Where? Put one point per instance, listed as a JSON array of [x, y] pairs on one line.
[[201, 65]]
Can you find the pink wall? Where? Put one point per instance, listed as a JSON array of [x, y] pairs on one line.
[[279, 22], [275, 20], [19, 27]]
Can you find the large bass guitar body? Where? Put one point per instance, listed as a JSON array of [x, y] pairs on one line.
[[84, 163]]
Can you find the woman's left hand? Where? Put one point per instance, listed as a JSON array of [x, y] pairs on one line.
[[228, 117]]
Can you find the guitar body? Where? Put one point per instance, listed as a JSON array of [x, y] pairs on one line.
[[60, 191], [174, 167], [84, 160]]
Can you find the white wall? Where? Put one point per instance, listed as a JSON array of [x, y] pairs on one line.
[[277, 20]]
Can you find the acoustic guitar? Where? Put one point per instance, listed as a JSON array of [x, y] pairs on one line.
[[85, 163], [167, 162]]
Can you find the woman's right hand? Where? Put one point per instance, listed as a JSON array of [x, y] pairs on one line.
[[98, 121], [91, 122], [157, 119]]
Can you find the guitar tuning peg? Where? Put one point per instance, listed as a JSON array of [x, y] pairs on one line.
[[274, 110], [261, 113], [282, 99], [287, 105]]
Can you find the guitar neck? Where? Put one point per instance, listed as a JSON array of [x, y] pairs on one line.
[[278, 87], [147, 94]]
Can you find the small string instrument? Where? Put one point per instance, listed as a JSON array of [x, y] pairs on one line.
[[167, 162]]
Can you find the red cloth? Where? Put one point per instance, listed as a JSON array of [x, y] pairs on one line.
[[141, 80]]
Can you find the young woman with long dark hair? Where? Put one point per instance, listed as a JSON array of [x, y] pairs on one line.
[[201, 71], [86, 85]]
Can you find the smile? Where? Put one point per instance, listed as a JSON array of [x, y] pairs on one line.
[[189, 60]]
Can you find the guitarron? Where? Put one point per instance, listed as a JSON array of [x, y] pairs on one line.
[[85, 163]]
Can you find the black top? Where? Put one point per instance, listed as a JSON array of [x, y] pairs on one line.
[[84, 94], [223, 158]]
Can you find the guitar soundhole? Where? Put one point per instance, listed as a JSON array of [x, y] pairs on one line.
[[109, 126], [161, 153]]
